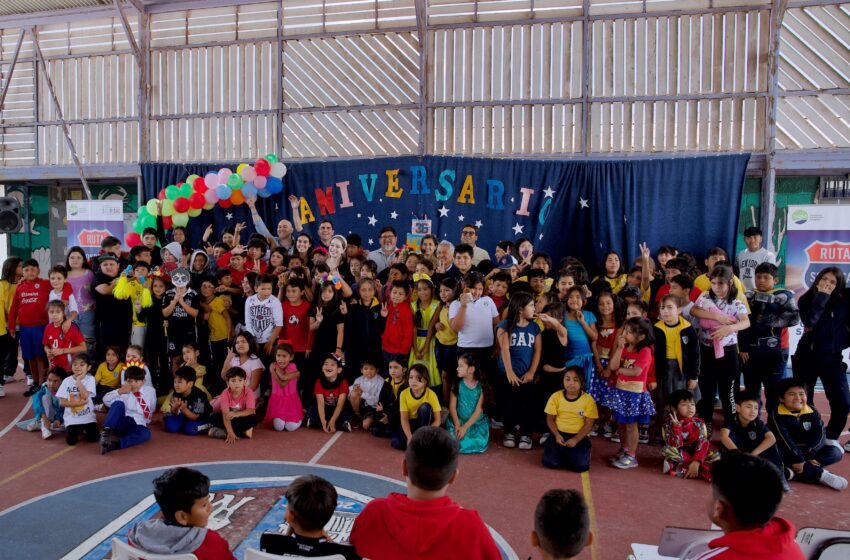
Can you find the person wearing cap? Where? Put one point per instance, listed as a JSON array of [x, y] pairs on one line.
[[385, 256], [318, 255], [110, 245], [113, 316], [354, 247], [752, 256], [285, 228], [469, 235]]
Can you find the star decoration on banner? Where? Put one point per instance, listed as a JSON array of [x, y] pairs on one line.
[[540, 237], [517, 229], [372, 220], [584, 203], [478, 224], [394, 215], [359, 215], [229, 216], [512, 199], [444, 212], [548, 192], [460, 218], [371, 242]]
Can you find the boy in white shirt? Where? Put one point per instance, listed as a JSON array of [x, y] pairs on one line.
[[131, 408], [264, 315], [75, 396], [365, 393], [749, 258]]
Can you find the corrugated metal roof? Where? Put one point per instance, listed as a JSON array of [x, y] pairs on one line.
[[14, 7]]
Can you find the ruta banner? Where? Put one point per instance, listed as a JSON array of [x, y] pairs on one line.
[[90, 221]]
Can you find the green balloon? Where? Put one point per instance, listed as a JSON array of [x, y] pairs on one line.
[[271, 158], [137, 226], [172, 192], [186, 190], [147, 222], [235, 181], [143, 211]]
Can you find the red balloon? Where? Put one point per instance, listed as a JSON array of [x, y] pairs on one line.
[[161, 194], [133, 239], [262, 167], [199, 186], [181, 205], [225, 203], [166, 222], [197, 200]]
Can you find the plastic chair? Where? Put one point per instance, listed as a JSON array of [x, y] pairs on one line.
[[824, 544], [254, 554], [123, 551]]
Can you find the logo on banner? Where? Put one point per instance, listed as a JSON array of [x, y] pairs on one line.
[[799, 216], [93, 237], [822, 254]]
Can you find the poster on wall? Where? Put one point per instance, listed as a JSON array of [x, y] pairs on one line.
[[818, 237], [90, 221]]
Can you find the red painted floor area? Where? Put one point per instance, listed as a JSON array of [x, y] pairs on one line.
[[502, 484]]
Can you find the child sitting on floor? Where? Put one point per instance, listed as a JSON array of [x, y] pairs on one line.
[[238, 407], [310, 504], [418, 406], [183, 496], [467, 421], [75, 396], [284, 411], [365, 392], [561, 525], [331, 391], [45, 404], [186, 409], [388, 419], [131, 408], [800, 437], [570, 415], [749, 434], [108, 374], [687, 448]]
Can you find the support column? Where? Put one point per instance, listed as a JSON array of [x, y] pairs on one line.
[[422, 33], [768, 185]]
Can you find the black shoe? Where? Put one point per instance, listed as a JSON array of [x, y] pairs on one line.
[[31, 391], [112, 444], [105, 435]]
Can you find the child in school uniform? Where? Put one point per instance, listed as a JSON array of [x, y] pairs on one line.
[[131, 409], [186, 409], [108, 374], [418, 406], [570, 414]]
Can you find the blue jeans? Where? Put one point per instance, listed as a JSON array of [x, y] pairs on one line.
[[176, 423], [424, 417], [125, 427], [85, 322]]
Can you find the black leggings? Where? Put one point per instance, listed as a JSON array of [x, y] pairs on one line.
[[717, 375], [74, 431]]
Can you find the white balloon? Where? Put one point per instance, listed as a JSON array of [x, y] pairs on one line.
[[278, 170]]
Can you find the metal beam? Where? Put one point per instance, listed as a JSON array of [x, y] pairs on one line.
[[54, 16], [585, 76], [143, 95], [280, 76], [67, 172], [768, 187], [11, 71], [140, 8], [58, 108], [422, 33], [127, 31]]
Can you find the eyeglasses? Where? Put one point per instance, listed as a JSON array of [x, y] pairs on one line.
[[387, 237], [467, 233]]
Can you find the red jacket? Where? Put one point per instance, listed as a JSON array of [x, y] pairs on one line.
[[29, 304], [774, 541], [398, 527], [398, 332]]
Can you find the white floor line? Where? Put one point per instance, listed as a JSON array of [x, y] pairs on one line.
[[320, 453], [17, 418]]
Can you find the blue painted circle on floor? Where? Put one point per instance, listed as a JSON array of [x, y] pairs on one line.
[[247, 500]]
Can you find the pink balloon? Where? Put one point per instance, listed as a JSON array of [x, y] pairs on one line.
[[260, 182], [211, 197], [248, 174], [223, 174], [211, 180]]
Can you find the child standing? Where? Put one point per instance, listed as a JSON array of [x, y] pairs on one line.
[[676, 352], [181, 306], [399, 329], [296, 322], [628, 399], [467, 421], [60, 346], [418, 407], [424, 309], [580, 333], [520, 343], [108, 374], [609, 316], [237, 416], [445, 347], [216, 311], [61, 290], [264, 316], [156, 341], [45, 404], [284, 411], [75, 396], [11, 275], [131, 286], [331, 390], [800, 437], [187, 408], [365, 392], [687, 449], [570, 415], [363, 328], [131, 408], [29, 308]]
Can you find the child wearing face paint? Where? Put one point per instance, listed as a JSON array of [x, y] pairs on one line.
[[687, 451]]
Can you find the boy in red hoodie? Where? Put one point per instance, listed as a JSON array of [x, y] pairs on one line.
[[398, 332], [183, 496], [746, 492], [425, 523], [29, 310]]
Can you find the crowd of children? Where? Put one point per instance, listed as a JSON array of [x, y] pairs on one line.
[[321, 333]]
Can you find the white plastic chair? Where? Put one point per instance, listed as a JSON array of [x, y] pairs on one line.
[[254, 554], [123, 551]]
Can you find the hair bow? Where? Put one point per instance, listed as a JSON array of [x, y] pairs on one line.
[[417, 277]]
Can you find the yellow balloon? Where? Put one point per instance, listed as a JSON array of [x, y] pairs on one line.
[[209, 206], [195, 212], [241, 167]]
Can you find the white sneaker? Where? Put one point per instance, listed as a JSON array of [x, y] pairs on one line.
[[847, 447], [544, 438], [833, 480], [33, 426], [47, 434], [2, 391], [835, 444], [524, 442], [666, 466]]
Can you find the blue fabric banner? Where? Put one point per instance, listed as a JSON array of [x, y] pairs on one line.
[[577, 208]]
